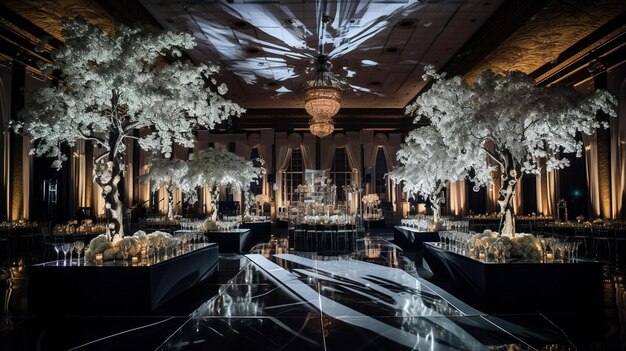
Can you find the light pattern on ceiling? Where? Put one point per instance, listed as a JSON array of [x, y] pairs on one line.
[[378, 47], [551, 31]]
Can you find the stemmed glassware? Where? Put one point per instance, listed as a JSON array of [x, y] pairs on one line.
[[124, 248], [79, 246], [67, 247], [58, 248]]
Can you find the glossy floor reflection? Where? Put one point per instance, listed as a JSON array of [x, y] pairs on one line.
[[311, 301], [276, 299]]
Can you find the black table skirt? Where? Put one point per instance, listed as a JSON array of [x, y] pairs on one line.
[[410, 239], [116, 289], [234, 241], [258, 229], [571, 288]]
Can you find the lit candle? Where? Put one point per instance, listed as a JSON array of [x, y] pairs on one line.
[[549, 257], [99, 258], [481, 256], [134, 260]]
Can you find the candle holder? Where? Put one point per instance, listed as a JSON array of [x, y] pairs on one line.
[[99, 259]]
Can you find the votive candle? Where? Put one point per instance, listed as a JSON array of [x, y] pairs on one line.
[[134, 260], [549, 257], [99, 258], [481, 256]]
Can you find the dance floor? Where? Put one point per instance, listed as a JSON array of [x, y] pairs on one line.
[[276, 299]]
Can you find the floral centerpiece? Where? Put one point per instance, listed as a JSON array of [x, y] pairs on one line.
[[522, 246], [111, 250]]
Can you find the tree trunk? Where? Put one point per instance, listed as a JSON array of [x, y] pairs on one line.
[[170, 197], [214, 203], [510, 176], [109, 177], [436, 199], [109, 173]]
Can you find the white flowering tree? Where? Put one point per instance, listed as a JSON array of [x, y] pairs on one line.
[[513, 121], [113, 84], [427, 164], [216, 167], [169, 173]]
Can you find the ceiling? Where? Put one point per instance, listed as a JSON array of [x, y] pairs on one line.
[[379, 47], [266, 47]]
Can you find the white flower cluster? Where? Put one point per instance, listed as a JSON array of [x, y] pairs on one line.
[[509, 116], [216, 167], [428, 163], [113, 84], [165, 171]]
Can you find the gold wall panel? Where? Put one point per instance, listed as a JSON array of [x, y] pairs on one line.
[[551, 31], [47, 14]]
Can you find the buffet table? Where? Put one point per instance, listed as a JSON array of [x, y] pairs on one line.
[[234, 240], [116, 288], [412, 239], [570, 288]]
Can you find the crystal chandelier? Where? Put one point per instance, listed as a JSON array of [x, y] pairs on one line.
[[322, 99]]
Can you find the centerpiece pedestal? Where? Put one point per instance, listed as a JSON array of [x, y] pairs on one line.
[[411, 239], [563, 288], [116, 288], [232, 241]]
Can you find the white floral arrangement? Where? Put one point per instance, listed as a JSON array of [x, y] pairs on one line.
[[522, 246], [371, 199], [351, 188], [215, 167], [112, 249]]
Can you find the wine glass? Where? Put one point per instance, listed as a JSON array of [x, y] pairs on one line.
[[67, 247], [79, 246], [124, 247], [58, 248]]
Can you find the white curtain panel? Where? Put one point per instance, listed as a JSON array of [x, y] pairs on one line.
[[591, 164], [618, 158]]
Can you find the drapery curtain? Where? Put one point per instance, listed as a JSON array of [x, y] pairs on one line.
[[457, 195], [5, 101], [554, 191], [78, 174], [307, 147], [618, 157], [27, 163], [547, 188], [282, 161], [591, 165]]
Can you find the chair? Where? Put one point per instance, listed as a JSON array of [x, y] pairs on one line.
[[601, 237], [620, 242], [580, 233], [4, 250]]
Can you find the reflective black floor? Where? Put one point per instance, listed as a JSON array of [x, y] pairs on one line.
[[276, 299]]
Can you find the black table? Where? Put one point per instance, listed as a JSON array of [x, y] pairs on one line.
[[258, 229], [235, 240], [374, 223], [116, 288], [411, 239], [570, 288]]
